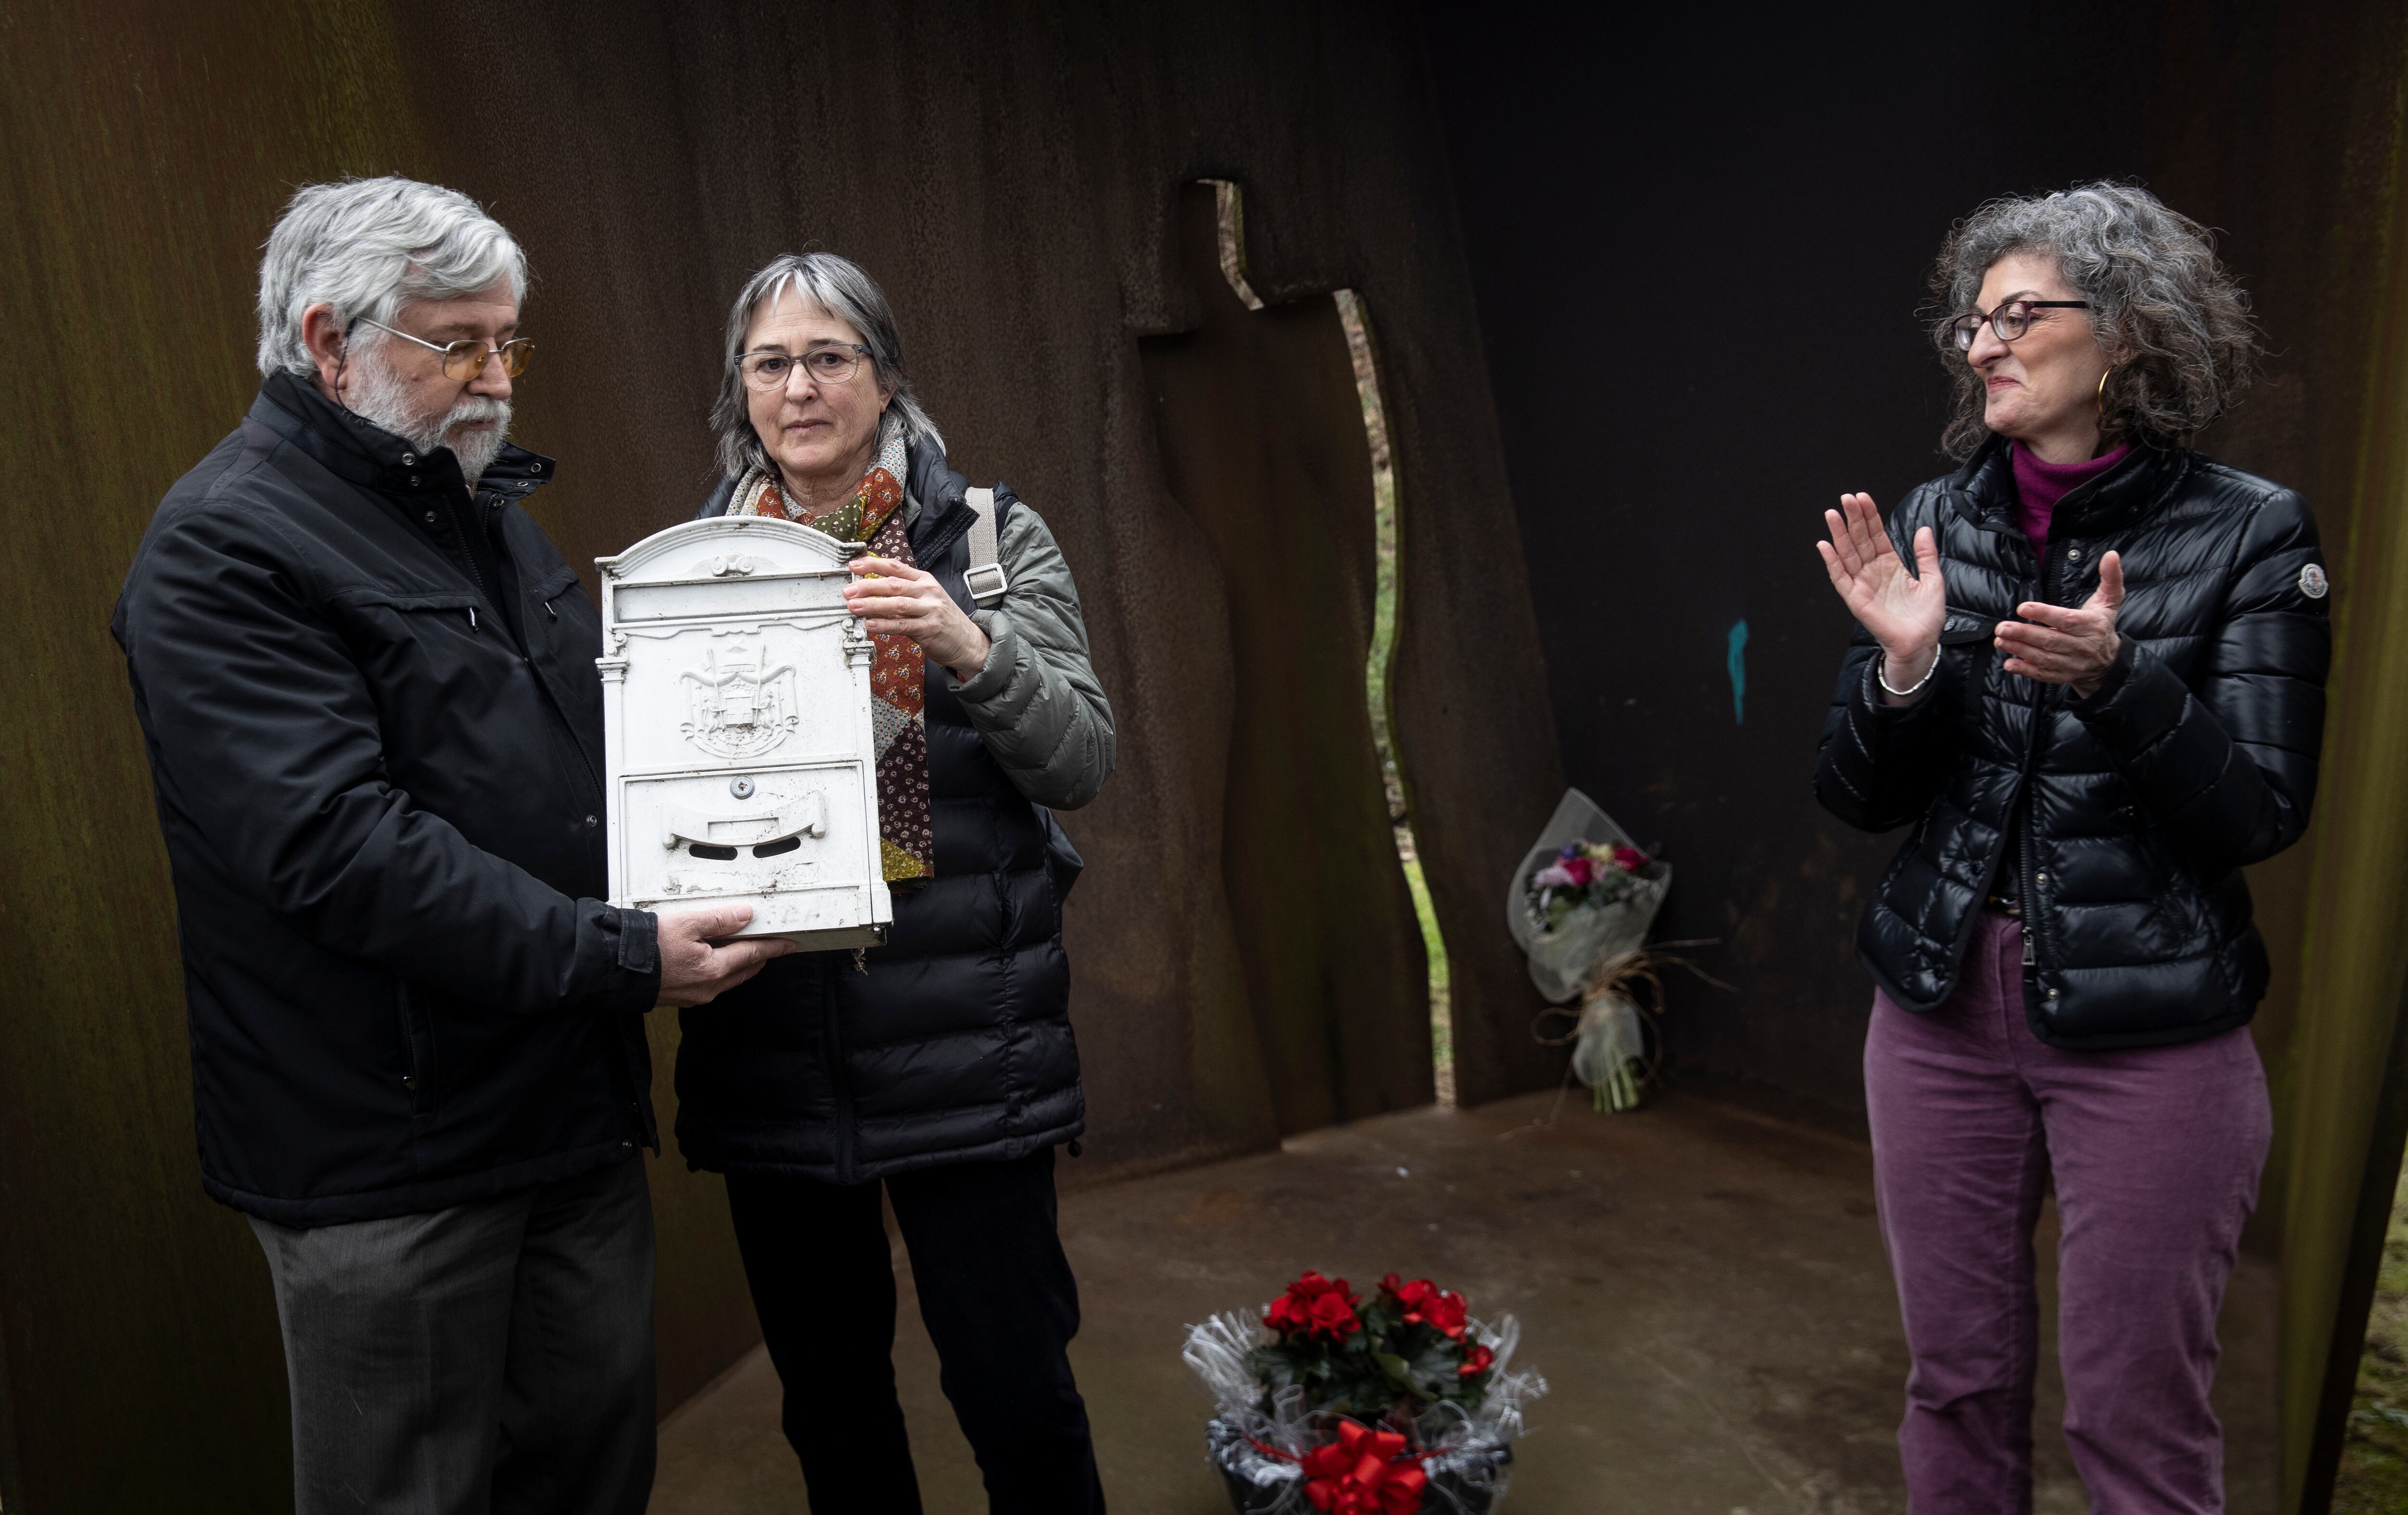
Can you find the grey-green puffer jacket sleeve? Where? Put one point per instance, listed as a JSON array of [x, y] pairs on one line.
[[1037, 703]]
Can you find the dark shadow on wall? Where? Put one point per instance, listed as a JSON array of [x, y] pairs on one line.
[[1698, 249], [1261, 429]]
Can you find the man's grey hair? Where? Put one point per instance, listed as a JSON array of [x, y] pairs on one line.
[[368, 247], [2169, 317], [839, 287]]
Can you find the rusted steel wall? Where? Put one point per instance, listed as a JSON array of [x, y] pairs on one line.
[[1010, 173], [2286, 126], [145, 150], [1699, 290], [1263, 445]]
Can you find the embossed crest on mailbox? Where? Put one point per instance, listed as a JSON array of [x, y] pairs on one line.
[[739, 740]]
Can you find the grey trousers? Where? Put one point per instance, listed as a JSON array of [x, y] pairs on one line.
[[495, 1357]]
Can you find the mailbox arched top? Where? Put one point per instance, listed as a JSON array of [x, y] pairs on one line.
[[728, 547]]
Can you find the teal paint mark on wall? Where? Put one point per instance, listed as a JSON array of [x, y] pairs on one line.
[[1738, 672]]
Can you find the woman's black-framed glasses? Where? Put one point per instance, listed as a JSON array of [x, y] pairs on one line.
[[2011, 320], [826, 363], [465, 359]]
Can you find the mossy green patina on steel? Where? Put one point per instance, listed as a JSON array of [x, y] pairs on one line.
[[149, 150]]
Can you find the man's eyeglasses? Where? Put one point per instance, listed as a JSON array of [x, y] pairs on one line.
[[465, 359], [2011, 320], [828, 362]]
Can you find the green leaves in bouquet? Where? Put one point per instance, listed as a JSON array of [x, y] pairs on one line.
[[1428, 1375], [1409, 1348], [1341, 1377]]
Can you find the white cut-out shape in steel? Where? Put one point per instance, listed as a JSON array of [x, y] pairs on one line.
[[726, 564], [806, 816], [743, 709]]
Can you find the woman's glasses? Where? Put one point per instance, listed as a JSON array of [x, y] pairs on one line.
[[2011, 320], [829, 363], [465, 359]]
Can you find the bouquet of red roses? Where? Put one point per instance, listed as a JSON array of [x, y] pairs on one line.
[[1330, 1404]]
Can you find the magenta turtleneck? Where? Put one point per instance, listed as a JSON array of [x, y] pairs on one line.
[[2040, 485]]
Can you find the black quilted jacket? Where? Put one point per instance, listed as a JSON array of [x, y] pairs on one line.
[[375, 734], [951, 1043], [2134, 809]]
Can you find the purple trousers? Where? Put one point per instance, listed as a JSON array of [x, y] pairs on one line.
[[2155, 1153]]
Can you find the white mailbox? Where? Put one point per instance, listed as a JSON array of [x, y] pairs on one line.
[[742, 753]]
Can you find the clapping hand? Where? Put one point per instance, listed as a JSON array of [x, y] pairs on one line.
[[2054, 644], [1903, 610]]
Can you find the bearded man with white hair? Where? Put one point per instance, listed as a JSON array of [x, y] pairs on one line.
[[366, 682]]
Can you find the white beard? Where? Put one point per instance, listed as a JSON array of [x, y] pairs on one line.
[[379, 395]]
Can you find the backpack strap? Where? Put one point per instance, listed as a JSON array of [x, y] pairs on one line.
[[985, 577]]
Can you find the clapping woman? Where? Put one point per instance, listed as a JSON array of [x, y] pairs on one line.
[[2089, 674]]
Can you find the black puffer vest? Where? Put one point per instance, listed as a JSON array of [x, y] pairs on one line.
[[954, 1045], [2132, 810]]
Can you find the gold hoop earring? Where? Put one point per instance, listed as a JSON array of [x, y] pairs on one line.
[[2102, 395]]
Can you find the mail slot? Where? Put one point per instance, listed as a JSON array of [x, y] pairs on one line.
[[740, 747]]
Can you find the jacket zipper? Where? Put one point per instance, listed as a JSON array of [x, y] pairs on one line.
[[2030, 849], [467, 557], [414, 1073], [593, 781], [838, 1079]]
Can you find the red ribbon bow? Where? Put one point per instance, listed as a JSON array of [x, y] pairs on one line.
[[1362, 1473]]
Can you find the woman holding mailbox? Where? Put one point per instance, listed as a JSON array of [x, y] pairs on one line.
[[940, 1067], [2096, 694]]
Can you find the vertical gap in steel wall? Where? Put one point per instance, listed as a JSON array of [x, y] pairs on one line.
[[1383, 619], [1375, 680]]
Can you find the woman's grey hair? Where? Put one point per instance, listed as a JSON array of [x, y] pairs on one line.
[[368, 247], [2166, 313], [839, 287]]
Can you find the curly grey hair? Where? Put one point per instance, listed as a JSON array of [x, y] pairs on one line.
[[368, 247], [843, 290], [2172, 319]]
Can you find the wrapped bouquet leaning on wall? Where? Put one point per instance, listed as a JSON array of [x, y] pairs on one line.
[[1580, 907]]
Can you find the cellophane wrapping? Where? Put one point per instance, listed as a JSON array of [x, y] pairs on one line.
[[1258, 1443], [1562, 961]]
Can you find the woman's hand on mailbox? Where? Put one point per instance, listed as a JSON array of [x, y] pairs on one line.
[[893, 600], [693, 971]]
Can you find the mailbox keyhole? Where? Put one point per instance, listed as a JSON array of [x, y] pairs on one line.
[[771, 849], [704, 850]]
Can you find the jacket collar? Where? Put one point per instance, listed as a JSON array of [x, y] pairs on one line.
[[1983, 490], [943, 494], [362, 453]]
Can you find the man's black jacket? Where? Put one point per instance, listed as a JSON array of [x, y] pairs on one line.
[[375, 732], [2132, 810]]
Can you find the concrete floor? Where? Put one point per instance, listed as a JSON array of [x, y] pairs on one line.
[[1704, 1289]]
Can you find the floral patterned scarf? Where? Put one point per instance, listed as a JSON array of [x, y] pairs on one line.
[[898, 671]]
